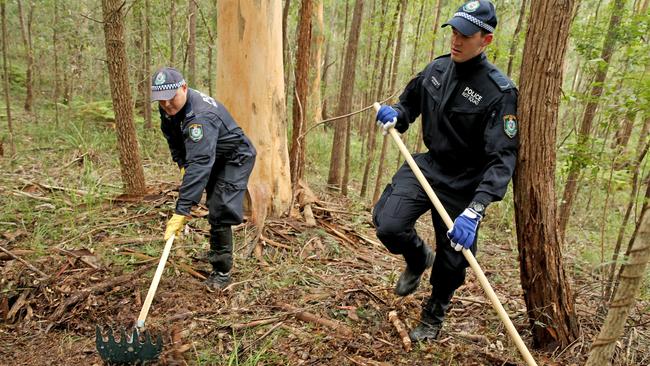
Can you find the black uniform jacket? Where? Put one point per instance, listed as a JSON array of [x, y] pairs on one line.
[[469, 125], [199, 134]]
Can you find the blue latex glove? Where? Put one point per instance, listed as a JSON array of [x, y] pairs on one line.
[[386, 118], [463, 233]]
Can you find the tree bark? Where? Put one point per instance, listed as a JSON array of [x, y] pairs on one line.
[[172, 32], [643, 150], [515, 36], [5, 69], [391, 88], [55, 44], [144, 75], [147, 67], [300, 102], [314, 100], [378, 91], [249, 62], [285, 46], [334, 179], [571, 187], [26, 33], [191, 44], [602, 349], [547, 291], [130, 163]]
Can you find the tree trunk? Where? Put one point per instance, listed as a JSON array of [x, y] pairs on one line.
[[314, 102], [396, 59], [547, 291], [130, 163], [643, 150], [300, 102], [26, 31], [144, 78], [391, 88], [147, 67], [378, 91], [172, 32], [334, 179], [577, 162], [285, 46], [5, 69], [435, 29], [248, 61], [602, 349], [515, 36], [191, 44], [55, 44]]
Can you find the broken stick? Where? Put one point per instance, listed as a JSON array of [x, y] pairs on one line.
[[312, 318], [34, 269], [401, 330]]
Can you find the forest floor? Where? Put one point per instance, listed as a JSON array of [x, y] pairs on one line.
[[336, 271], [316, 296]]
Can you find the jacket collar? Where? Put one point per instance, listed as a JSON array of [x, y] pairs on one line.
[[469, 66]]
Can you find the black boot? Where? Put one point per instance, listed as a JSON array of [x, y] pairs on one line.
[[409, 280], [433, 314], [218, 280], [220, 256]]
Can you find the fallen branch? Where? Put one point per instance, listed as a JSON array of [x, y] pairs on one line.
[[76, 256], [54, 188], [32, 268], [18, 305], [312, 318], [32, 196], [97, 289], [274, 243], [4, 257], [401, 330], [478, 338]]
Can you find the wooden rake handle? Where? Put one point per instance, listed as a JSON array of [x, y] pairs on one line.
[[154, 283], [496, 304]]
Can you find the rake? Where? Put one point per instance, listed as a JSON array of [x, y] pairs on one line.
[[137, 347]]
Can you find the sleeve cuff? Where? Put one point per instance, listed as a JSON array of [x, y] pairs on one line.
[[483, 198]]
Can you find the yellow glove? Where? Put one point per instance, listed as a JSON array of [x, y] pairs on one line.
[[182, 172], [175, 225]]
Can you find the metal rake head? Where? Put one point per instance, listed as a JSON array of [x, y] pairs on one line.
[[129, 350]]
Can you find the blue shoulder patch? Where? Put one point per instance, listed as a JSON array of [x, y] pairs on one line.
[[502, 81]]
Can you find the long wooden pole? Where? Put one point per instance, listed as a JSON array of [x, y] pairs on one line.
[[154, 283], [485, 284]]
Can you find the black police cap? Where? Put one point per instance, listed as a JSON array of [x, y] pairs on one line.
[[474, 16]]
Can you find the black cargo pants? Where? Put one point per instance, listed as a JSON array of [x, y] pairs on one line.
[[394, 216], [226, 189]]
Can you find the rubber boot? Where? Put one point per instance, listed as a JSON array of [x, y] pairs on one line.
[[409, 280], [220, 256], [433, 314], [218, 280]]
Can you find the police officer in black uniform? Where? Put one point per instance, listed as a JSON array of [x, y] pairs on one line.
[[213, 154], [469, 124]]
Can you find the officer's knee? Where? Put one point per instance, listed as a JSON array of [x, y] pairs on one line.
[[392, 238]]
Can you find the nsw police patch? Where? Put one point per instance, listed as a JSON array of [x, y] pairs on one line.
[[160, 78], [510, 125], [196, 132], [471, 6]]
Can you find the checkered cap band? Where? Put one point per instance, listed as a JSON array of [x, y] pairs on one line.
[[168, 86], [476, 21]]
